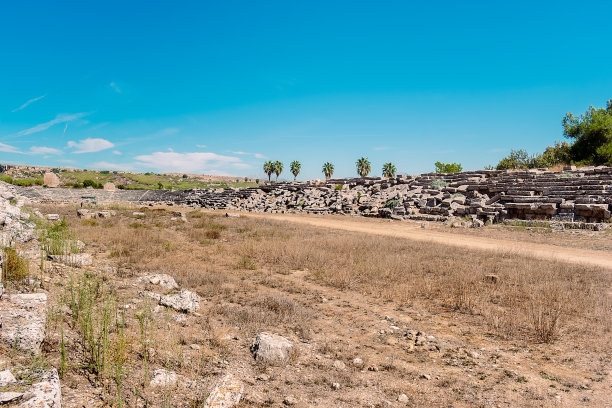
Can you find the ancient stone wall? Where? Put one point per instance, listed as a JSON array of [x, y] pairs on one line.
[[583, 195]]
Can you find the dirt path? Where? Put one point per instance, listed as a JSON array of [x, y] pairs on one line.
[[413, 231]]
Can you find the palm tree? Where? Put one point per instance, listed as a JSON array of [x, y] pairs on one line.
[[363, 167], [328, 170], [389, 170], [296, 166], [268, 168], [278, 168]]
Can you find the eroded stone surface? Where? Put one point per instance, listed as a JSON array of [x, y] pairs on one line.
[[45, 393], [163, 280], [164, 378], [23, 319], [226, 394], [271, 348], [184, 301], [78, 260]]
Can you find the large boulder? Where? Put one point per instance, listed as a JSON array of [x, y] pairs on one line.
[[271, 348], [184, 301], [51, 180]]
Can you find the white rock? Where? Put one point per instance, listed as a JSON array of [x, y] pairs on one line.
[[184, 301], [271, 348], [226, 394], [164, 378], [6, 377], [77, 260], [339, 365], [46, 393], [53, 217], [24, 318], [402, 398], [357, 362], [163, 280], [6, 397]]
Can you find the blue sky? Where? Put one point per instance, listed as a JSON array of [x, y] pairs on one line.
[[219, 87]]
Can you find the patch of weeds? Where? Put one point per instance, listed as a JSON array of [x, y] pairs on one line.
[[14, 267], [246, 263], [438, 184], [391, 204], [137, 225], [91, 223], [213, 234]]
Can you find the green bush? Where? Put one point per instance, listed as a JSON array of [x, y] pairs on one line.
[[448, 167], [14, 267], [391, 204]]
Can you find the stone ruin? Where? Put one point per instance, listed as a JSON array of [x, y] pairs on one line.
[[573, 196]]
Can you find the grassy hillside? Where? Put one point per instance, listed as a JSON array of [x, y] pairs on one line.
[[75, 178]]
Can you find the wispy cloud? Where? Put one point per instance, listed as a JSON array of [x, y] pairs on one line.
[[256, 155], [201, 146], [117, 152], [104, 165], [115, 87], [8, 149], [44, 150], [62, 118], [31, 101], [90, 145], [192, 162]]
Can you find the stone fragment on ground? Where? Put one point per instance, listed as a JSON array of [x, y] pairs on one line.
[[163, 280], [23, 319], [185, 301], [6, 397], [45, 393], [164, 378], [227, 393], [271, 348], [6, 378]]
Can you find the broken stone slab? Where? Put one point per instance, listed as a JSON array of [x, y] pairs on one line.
[[184, 301], [6, 397], [45, 393], [53, 217], [164, 378], [6, 377], [226, 394], [271, 348], [23, 319], [78, 260], [138, 214], [162, 280]]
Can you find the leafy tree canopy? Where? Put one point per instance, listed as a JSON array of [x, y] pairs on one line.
[[592, 135], [448, 167]]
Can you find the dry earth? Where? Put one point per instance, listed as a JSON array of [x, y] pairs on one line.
[[380, 314]]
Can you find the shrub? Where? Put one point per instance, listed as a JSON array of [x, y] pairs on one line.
[[338, 187], [391, 204], [14, 267], [438, 184], [448, 167]]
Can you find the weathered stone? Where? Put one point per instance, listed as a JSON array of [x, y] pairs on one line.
[[6, 397], [51, 180], [184, 301], [53, 217], [45, 393], [271, 348], [109, 186], [23, 319], [226, 394], [163, 280], [76, 260], [164, 378], [6, 377]]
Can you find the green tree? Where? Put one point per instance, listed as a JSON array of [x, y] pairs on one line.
[[278, 168], [363, 167], [328, 170], [296, 166], [448, 167], [592, 135], [268, 168], [389, 170]]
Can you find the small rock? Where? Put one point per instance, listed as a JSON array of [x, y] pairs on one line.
[[271, 348], [6, 377], [263, 377], [164, 378], [184, 301], [53, 217], [6, 397], [339, 365], [402, 398], [162, 280], [357, 362], [426, 376], [424, 225], [226, 394], [290, 400], [336, 386], [195, 346], [138, 214]]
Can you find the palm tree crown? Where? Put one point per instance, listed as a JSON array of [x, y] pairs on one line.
[[389, 170], [278, 168], [296, 166], [268, 168], [363, 167], [328, 169]]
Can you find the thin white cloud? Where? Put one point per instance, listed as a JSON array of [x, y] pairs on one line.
[[256, 155], [8, 149], [90, 145], [104, 165], [192, 162], [62, 118], [115, 87], [44, 150], [201, 146], [25, 105], [117, 152]]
